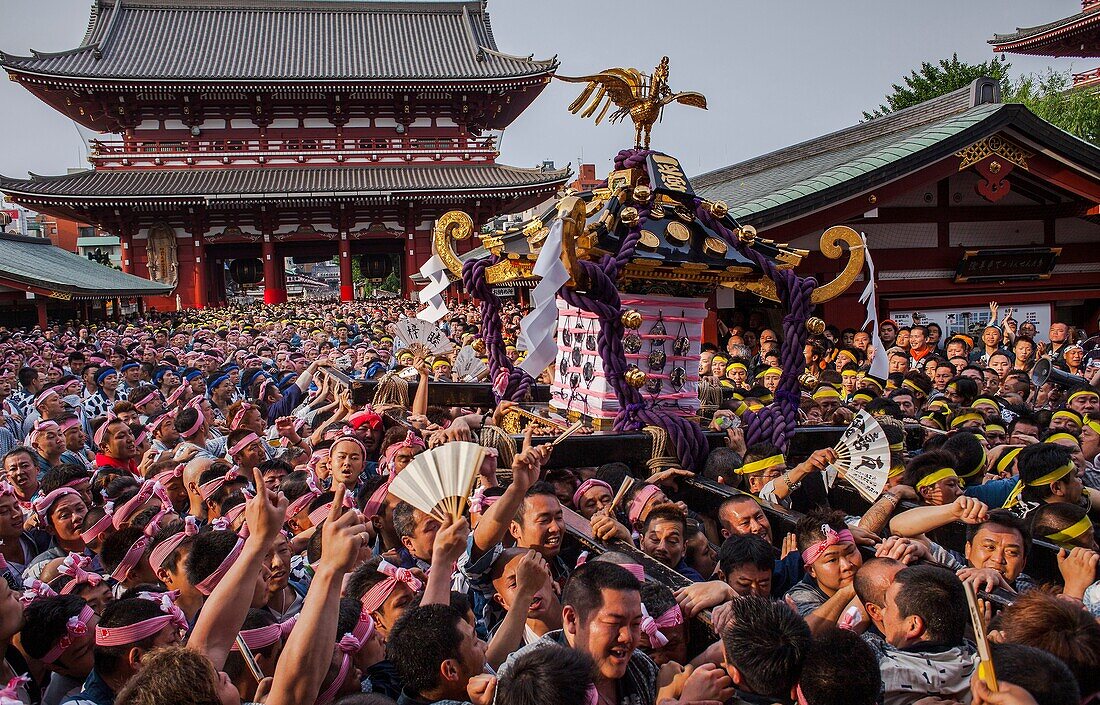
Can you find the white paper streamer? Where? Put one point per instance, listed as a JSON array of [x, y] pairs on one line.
[[436, 273], [880, 365], [537, 327]]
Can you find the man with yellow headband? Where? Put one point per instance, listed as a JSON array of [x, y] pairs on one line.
[[766, 473], [1085, 402], [441, 370], [771, 377], [1066, 420], [737, 373], [1047, 475], [1065, 525]]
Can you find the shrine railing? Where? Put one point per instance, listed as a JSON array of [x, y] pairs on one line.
[[123, 153]]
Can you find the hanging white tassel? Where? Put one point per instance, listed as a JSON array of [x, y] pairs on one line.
[[538, 327], [436, 273], [880, 365]]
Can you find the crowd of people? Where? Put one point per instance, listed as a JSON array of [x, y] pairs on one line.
[[195, 509]]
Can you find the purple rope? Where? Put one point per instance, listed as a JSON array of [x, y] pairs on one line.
[[776, 422], [492, 333]]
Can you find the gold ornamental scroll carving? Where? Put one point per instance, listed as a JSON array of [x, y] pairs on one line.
[[994, 145]]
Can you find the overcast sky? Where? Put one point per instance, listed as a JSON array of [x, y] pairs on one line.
[[775, 72]]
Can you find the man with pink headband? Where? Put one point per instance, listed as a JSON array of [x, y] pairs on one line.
[[831, 558], [116, 446]]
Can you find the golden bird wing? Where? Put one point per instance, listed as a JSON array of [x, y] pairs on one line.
[[619, 86], [695, 100]]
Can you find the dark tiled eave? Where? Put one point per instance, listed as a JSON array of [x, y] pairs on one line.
[[273, 41], [1039, 40], [281, 183]]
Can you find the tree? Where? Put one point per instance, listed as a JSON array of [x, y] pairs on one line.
[[1052, 97], [934, 80]]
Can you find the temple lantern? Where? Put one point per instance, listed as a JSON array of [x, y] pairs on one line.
[[376, 266], [247, 272]]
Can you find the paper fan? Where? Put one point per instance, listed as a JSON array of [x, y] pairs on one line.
[[418, 335], [439, 481], [468, 366], [863, 457]]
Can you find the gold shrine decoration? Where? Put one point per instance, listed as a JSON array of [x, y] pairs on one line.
[[634, 93], [830, 246], [456, 225], [993, 146]]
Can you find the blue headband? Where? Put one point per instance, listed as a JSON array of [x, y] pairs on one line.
[[104, 374], [129, 365], [212, 384], [192, 374]]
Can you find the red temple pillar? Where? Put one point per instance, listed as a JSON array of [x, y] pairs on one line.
[[40, 306], [200, 271], [271, 295], [347, 291], [126, 245]]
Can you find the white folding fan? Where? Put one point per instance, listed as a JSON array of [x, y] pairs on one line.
[[863, 457], [439, 481], [421, 337], [468, 366]]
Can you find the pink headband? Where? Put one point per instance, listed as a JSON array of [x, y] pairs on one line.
[[239, 416], [195, 426], [243, 443], [155, 425], [374, 504], [175, 395], [263, 637], [264, 386], [301, 503], [34, 590], [46, 394], [235, 512], [42, 506], [321, 513], [98, 436], [315, 459], [349, 439], [652, 627], [99, 527], [75, 566], [479, 502], [634, 509], [377, 595], [349, 644], [134, 504], [9, 694], [832, 538], [69, 423], [635, 569], [168, 475], [133, 555], [587, 485], [148, 398], [411, 440], [41, 426], [207, 584], [131, 633], [210, 488], [76, 627], [162, 550]]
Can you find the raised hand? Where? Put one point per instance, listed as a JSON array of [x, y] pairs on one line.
[[1078, 569], [343, 534], [969, 510], [531, 573], [605, 528], [265, 513], [450, 542]]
